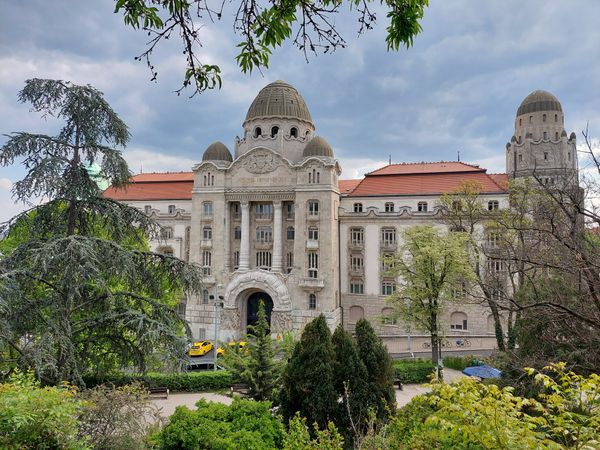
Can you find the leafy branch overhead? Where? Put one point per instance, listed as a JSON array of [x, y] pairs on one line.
[[262, 27]]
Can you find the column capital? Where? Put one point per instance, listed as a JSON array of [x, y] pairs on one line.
[[244, 203], [277, 203]]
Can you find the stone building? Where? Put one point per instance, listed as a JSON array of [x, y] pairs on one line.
[[274, 222]]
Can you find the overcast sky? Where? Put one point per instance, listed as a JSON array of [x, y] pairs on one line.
[[456, 90]]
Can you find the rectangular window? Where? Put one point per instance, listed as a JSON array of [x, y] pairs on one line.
[[207, 233], [388, 236], [263, 260], [206, 262], [357, 287], [388, 287], [291, 234], [313, 234], [313, 264], [263, 210], [237, 233], [387, 262], [236, 260], [356, 263], [493, 239], [290, 210], [289, 260], [493, 205], [358, 207], [422, 206], [264, 234], [313, 208], [207, 209], [357, 236], [312, 301], [389, 207], [171, 209], [495, 265]]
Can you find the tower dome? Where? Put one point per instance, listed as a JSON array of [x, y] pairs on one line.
[[539, 101], [318, 146], [278, 99], [217, 151]]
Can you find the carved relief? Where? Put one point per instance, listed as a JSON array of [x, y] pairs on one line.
[[230, 319], [281, 321], [261, 161]]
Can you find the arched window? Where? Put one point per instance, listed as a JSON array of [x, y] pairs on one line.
[[543, 117], [171, 209], [388, 317], [291, 233], [274, 131], [545, 135], [358, 207], [556, 117], [148, 209], [422, 206], [520, 122], [236, 260], [356, 313], [556, 136], [257, 132], [205, 296], [458, 321], [312, 301], [294, 132]]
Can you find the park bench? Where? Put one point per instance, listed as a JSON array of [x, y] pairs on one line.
[[161, 392], [398, 383], [240, 388]]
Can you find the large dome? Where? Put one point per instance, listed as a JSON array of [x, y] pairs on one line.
[[539, 101], [318, 146], [217, 151], [279, 99]]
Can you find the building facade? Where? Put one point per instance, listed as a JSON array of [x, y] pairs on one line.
[[274, 222]]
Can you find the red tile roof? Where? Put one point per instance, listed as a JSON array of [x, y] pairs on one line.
[[158, 177], [155, 186], [426, 167], [346, 186]]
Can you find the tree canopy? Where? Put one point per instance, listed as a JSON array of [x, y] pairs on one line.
[[262, 27], [76, 290]]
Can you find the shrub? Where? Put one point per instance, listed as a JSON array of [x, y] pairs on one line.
[[34, 417], [185, 381], [120, 417], [298, 437], [246, 424], [411, 371], [461, 362]]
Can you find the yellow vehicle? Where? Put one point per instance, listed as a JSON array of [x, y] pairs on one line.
[[232, 344], [200, 348]]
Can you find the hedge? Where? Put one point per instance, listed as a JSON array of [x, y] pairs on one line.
[[461, 362], [185, 381], [411, 371]]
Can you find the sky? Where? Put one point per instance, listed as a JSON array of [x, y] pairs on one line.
[[456, 90]]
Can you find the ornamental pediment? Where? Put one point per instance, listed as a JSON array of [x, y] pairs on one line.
[[261, 167]]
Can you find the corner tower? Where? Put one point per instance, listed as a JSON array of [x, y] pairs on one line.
[[278, 119], [540, 144]]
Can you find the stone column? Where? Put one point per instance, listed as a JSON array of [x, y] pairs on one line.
[[277, 238], [227, 234], [245, 243]]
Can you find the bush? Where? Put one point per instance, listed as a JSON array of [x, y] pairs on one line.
[[122, 417], [411, 371], [246, 424], [461, 362], [184, 382], [32, 417]]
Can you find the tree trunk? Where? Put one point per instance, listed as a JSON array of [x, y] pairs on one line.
[[435, 344], [498, 331], [513, 327]]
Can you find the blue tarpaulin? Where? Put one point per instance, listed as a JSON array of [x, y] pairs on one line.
[[482, 372]]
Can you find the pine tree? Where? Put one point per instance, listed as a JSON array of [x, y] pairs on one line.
[[308, 381], [77, 291], [350, 380], [261, 374], [380, 373]]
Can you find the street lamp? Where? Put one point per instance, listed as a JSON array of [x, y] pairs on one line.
[[218, 303]]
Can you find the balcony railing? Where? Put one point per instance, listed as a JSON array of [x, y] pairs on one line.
[[311, 283]]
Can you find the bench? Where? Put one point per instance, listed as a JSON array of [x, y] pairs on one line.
[[398, 383], [240, 388], [161, 392]]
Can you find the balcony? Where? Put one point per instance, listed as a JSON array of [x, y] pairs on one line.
[[312, 283], [263, 217], [263, 245], [206, 243], [207, 217], [312, 217], [356, 245], [312, 244], [356, 271], [390, 246]]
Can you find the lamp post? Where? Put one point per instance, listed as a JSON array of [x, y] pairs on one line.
[[218, 302]]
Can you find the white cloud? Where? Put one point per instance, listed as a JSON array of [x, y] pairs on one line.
[[145, 160], [5, 184]]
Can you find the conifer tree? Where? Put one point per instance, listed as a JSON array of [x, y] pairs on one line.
[[77, 290], [380, 373], [262, 368], [308, 381]]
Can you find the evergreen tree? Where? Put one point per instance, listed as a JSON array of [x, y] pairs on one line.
[[380, 373], [308, 381], [350, 381], [262, 367], [76, 291]]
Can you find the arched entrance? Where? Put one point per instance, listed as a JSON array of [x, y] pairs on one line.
[[252, 307]]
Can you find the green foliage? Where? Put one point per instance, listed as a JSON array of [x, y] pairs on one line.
[[263, 371], [120, 417], [184, 382], [32, 417], [413, 371], [380, 374], [462, 362], [263, 28], [78, 280], [298, 436], [245, 424], [308, 380]]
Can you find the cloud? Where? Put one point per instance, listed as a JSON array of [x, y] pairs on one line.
[[5, 184], [144, 160]]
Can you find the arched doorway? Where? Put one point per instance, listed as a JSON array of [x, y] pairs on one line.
[[252, 307]]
